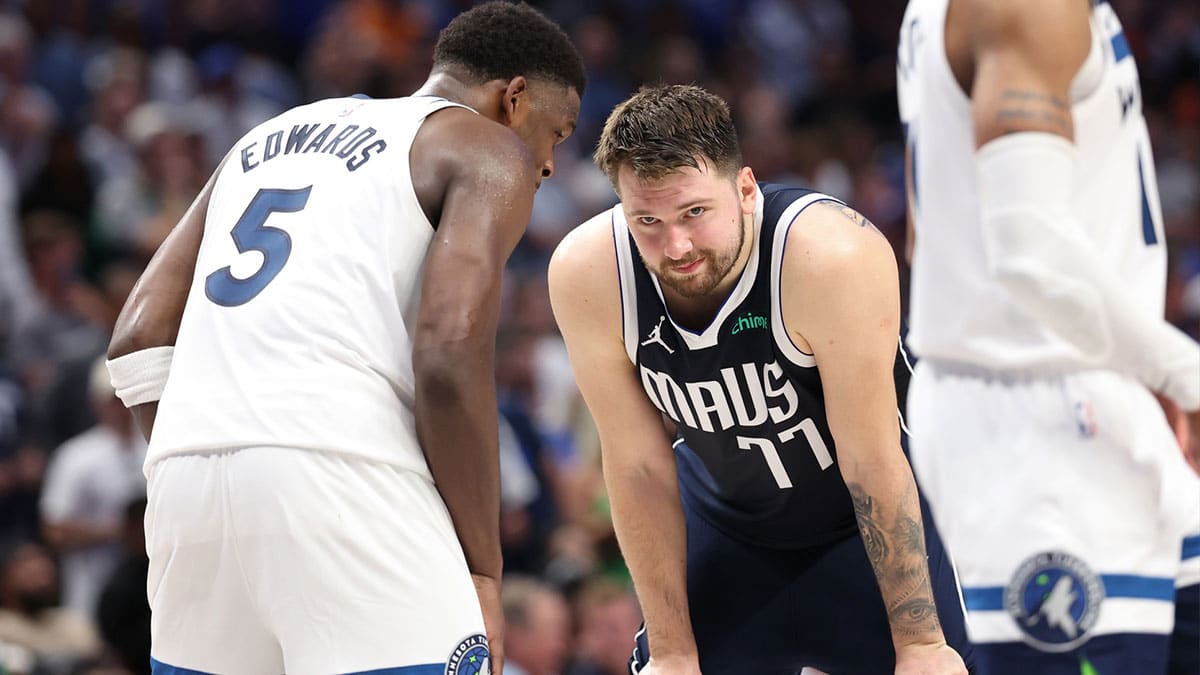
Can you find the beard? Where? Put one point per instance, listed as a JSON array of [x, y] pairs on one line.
[[717, 266]]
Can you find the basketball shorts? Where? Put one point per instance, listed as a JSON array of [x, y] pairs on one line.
[[1185, 640], [272, 560], [1064, 501], [770, 611]]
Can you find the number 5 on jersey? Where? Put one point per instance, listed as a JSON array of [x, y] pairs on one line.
[[251, 233]]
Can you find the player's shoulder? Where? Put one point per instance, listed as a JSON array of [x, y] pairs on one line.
[[471, 142], [583, 268], [466, 130], [593, 236], [830, 238], [1018, 20]]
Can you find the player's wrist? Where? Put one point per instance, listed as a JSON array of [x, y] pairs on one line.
[[676, 662], [917, 644], [676, 645]]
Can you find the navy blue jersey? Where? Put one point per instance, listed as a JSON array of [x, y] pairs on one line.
[[753, 447]]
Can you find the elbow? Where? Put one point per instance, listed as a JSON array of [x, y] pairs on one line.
[[135, 332], [445, 370], [640, 473]]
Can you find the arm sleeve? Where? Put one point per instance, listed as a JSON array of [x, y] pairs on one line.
[[1037, 249]]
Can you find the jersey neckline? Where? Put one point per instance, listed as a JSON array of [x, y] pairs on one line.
[[708, 336]]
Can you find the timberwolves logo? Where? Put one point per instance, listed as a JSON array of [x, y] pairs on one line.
[[470, 657], [1055, 599]]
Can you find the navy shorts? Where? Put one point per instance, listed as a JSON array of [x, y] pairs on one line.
[[770, 611], [1185, 641]]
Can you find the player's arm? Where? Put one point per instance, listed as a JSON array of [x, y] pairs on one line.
[[489, 186], [1025, 54], [639, 466], [844, 303], [139, 354]]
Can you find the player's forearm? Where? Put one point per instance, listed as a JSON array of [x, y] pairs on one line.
[[457, 425], [1037, 251], [649, 524], [889, 518]]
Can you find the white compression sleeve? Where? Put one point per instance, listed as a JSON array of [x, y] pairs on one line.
[[141, 376], [1036, 248]]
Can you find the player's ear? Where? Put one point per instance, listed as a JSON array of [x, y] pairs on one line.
[[515, 103], [747, 189]]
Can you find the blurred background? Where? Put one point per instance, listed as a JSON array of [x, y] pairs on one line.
[[113, 113]]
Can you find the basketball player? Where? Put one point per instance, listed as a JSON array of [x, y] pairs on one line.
[[1037, 301], [780, 528], [331, 371]]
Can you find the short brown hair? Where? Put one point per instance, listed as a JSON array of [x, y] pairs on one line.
[[662, 129]]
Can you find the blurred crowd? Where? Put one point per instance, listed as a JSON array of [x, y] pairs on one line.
[[113, 113]]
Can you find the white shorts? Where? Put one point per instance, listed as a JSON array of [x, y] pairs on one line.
[[1064, 501], [271, 560]]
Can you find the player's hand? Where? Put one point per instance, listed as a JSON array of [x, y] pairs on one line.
[[488, 590], [1177, 420], [672, 665], [929, 659], [1190, 440], [1186, 426]]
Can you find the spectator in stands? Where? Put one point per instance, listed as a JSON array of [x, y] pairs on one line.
[[30, 616], [65, 323], [135, 212], [124, 613], [607, 614], [91, 480], [18, 487], [538, 627]]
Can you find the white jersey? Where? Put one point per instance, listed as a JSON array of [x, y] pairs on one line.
[[958, 313], [298, 328]]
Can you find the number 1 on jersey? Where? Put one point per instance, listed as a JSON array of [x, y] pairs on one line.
[[250, 233]]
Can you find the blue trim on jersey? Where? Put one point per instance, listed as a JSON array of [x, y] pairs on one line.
[[1120, 47], [991, 598], [1148, 231], [365, 97], [424, 669], [159, 668], [1134, 586], [983, 598], [1191, 547]]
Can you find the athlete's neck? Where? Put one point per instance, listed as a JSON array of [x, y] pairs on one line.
[[447, 84]]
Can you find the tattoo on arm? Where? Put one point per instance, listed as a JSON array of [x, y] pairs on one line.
[[864, 511], [856, 217], [895, 545], [1021, 109], [849, 213]]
